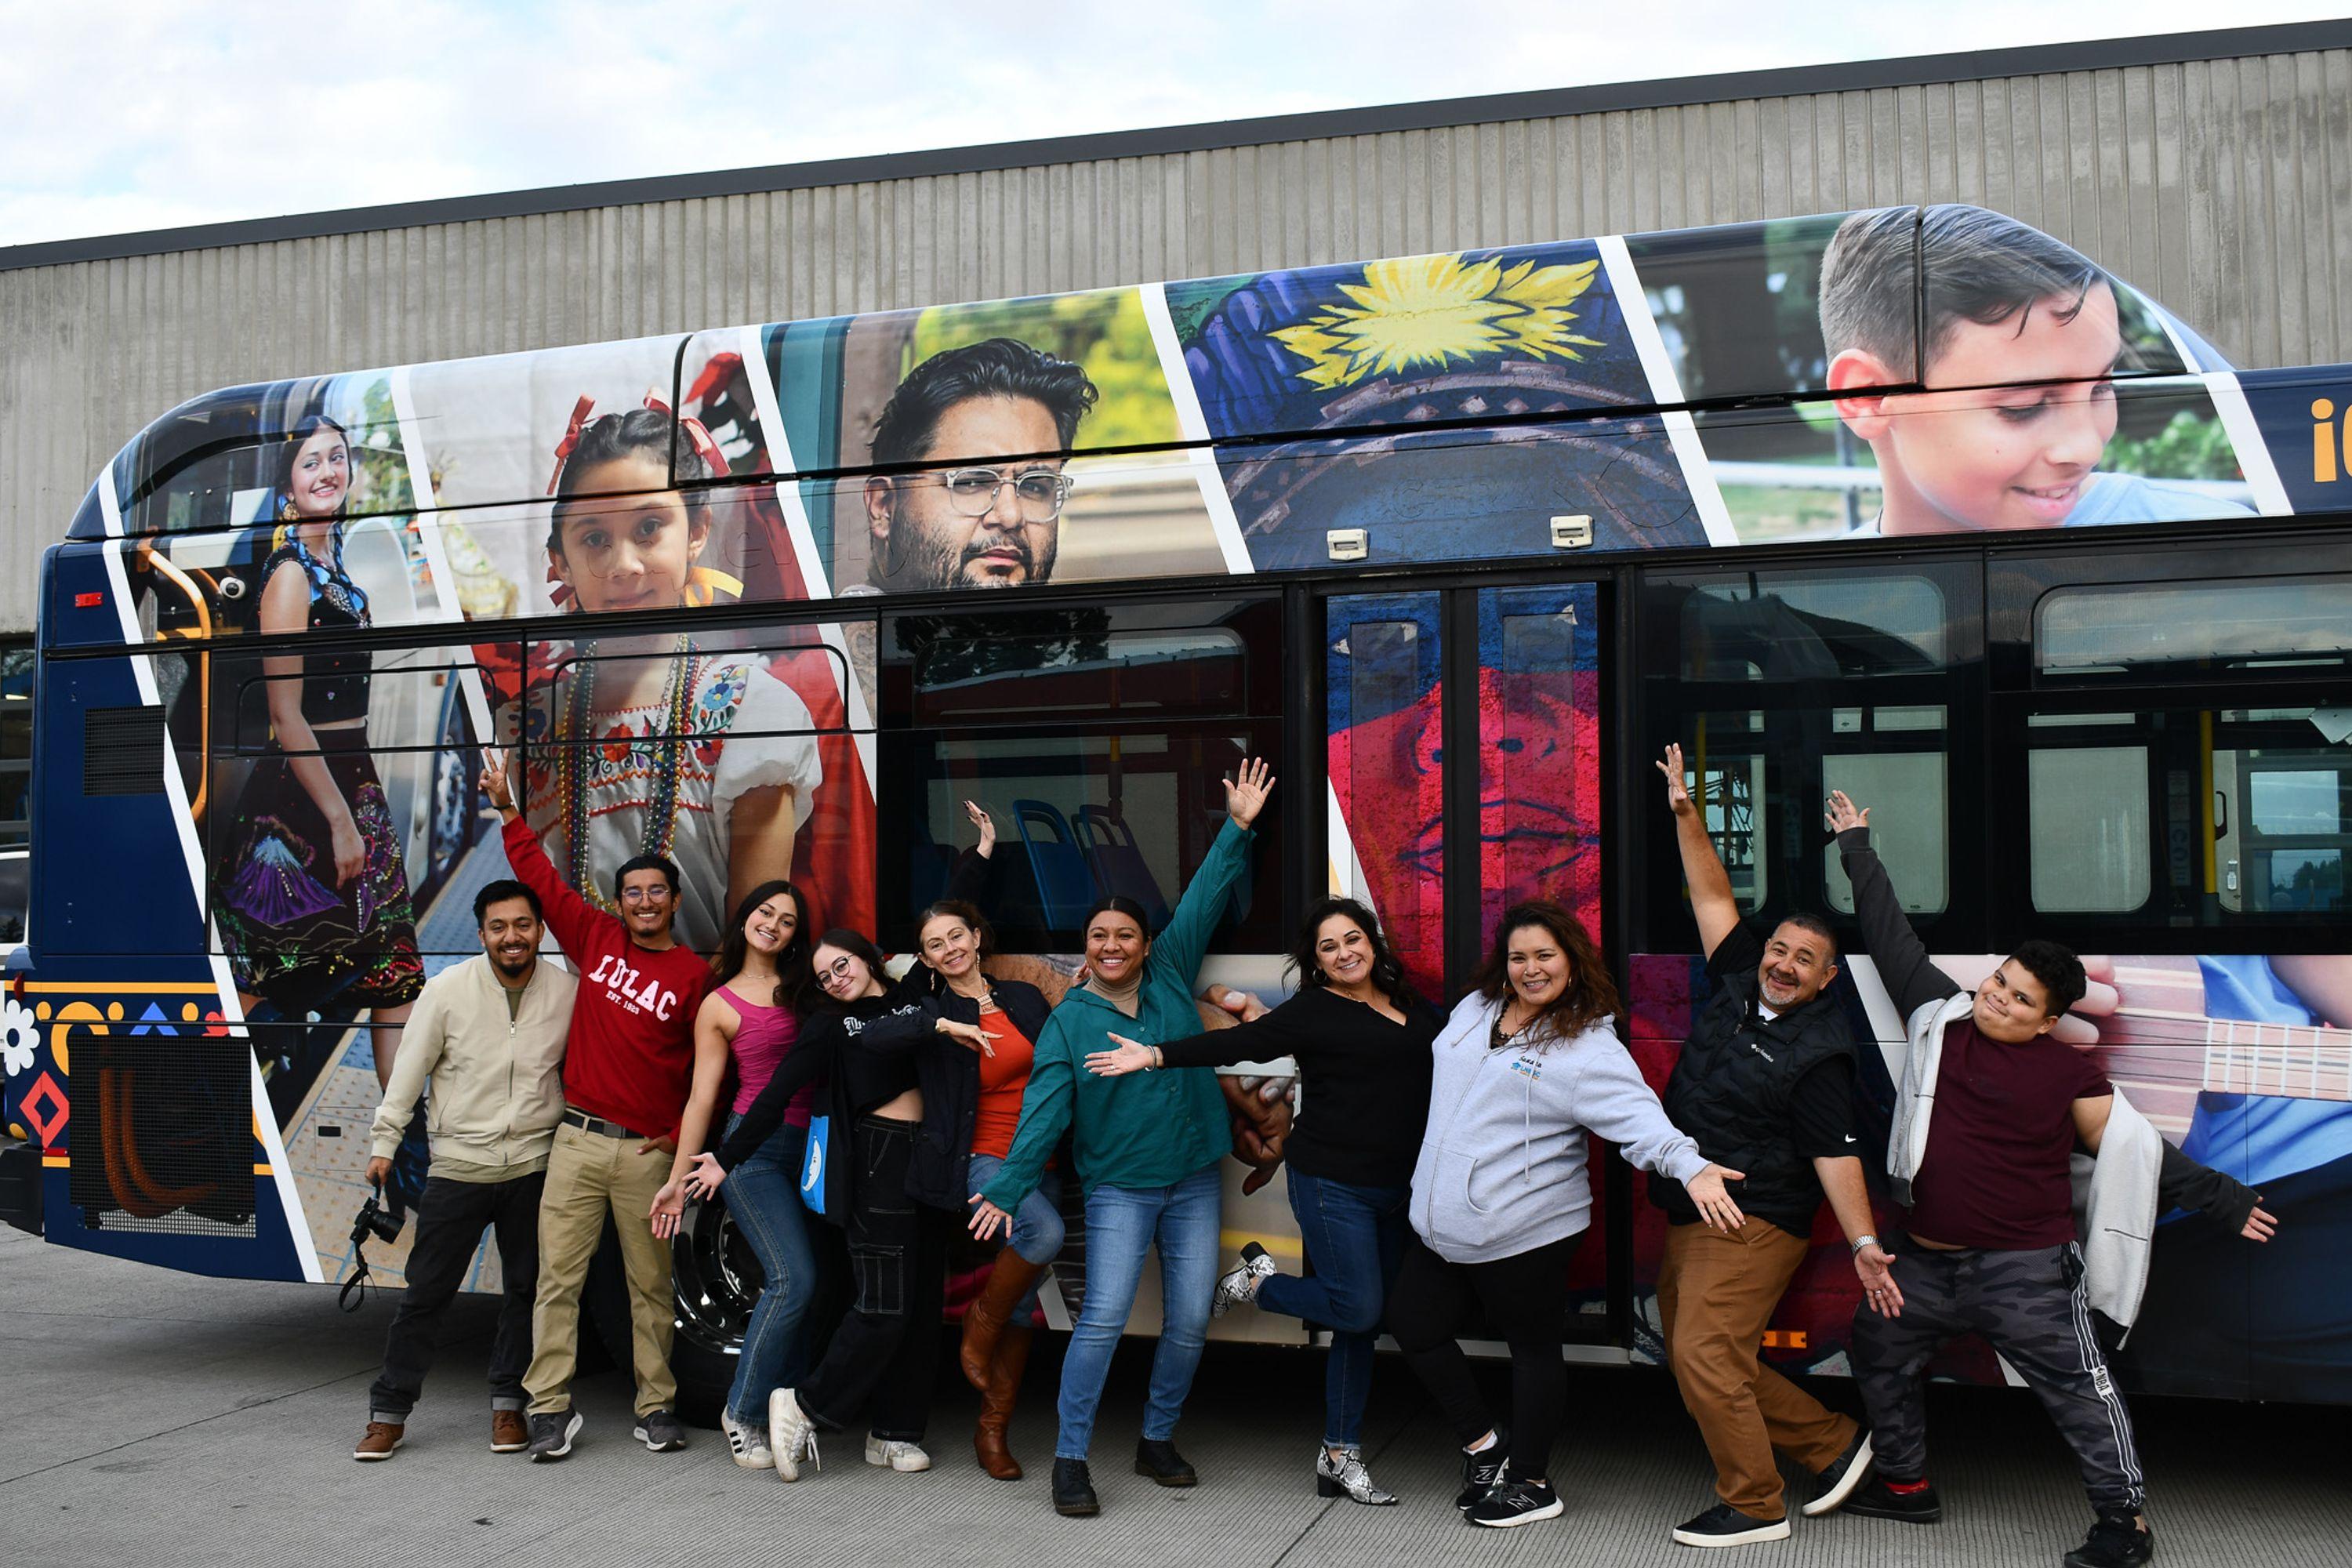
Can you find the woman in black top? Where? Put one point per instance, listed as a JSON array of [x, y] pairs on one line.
[[868, 1046], [313, 899], [1361, 1040]]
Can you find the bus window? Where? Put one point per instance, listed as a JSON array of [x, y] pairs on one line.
[[1539, 750], [2261, 624], [1910, 842], [1384, 754], [2088, 828], [2218, 817], [1095, 738], [15, 744], [1782, 686]]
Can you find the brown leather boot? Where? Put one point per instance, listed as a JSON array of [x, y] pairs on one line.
[[1009, 1279], [996, 1402]]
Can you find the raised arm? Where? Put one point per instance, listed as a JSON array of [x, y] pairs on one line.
[[578, 926], [1911, 979], [1180, 949], [975, 870], [1713, 903]]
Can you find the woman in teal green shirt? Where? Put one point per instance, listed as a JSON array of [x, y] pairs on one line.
[[1147, 1148]]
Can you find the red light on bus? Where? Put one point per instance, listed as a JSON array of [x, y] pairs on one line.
[[88, 601]]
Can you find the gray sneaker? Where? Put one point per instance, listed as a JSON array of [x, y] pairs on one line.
[[1240, 1284], [551, 1435], [662, 1432]]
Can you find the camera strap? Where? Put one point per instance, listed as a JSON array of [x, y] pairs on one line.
[[354, 1295]]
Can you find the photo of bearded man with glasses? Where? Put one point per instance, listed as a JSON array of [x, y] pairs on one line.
[[992, 424]]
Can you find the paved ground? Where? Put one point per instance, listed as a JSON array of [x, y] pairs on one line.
[[153, 1418]]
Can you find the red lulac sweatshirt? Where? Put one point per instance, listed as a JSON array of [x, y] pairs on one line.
[[630, 1058]]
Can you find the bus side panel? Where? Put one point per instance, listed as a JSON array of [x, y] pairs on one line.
[[140, 1095]]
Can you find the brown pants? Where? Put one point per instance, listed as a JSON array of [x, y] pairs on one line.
[[589, 1175], [1715, 1293]]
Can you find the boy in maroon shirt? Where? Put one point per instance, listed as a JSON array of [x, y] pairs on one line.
[[628, 1065], [1989, 1241]]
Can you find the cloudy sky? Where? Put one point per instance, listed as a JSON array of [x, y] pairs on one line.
[[125, 116]]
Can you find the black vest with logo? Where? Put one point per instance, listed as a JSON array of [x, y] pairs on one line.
[[1730, 1092]]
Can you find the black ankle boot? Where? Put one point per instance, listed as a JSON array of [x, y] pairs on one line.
[[1157, 1457], [1074, 1489]]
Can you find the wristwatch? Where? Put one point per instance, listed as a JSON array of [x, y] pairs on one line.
[[1865, 1239]]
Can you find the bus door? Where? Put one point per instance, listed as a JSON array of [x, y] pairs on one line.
[[1464, 758]]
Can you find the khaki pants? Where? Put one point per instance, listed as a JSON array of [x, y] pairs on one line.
[[588, 1174], [1715, 1293]]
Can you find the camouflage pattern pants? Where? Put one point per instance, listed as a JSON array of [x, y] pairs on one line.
[[2032, 1309]]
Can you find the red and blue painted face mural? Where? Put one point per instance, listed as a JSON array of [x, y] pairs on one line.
[[1538, 777]]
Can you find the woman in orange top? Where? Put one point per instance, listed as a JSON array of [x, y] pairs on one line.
[[971, 1101]]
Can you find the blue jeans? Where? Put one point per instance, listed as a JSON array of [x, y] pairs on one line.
[[1355, 1237], [1038, 1227], [1122, 1224], [764, 1195]]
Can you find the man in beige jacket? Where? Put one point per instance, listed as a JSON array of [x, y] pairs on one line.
[[490, 1032]]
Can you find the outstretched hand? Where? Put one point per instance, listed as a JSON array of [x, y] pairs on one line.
[[971, 1035], [668, 1209], [1842, 814], [1874, 1266], [1246, 793], [1124, 1057], [1678, 796], [987, 826], [987, 1219], [1714, 1200], [705, 1175]]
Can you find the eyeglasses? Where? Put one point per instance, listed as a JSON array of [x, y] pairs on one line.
[[642, 895], [839, 968], [1039, 494]]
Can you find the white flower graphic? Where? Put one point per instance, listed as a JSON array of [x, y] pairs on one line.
[[19, 1033]]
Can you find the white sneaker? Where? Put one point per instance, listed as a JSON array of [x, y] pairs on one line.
[[748, 1444], [792, 1435], [891, 1453], [1239, 1285]]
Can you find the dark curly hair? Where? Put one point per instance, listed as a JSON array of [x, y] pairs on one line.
[[1001, 367], [1590, 996]]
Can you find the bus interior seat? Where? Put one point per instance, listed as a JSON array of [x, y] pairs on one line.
[[1065, 883], [1110, 849]]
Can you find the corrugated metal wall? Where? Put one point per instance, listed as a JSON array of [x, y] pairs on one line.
[[2222, 187]]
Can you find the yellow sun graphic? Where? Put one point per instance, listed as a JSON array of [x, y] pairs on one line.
[[1427, 310]]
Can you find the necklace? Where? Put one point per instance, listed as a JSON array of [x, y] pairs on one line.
[[574, 734]]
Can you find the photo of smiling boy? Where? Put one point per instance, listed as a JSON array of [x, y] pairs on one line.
[[2021, 337], [650, 744]]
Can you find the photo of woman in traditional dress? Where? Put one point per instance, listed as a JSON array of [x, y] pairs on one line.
[[312, 902], [650, 744]]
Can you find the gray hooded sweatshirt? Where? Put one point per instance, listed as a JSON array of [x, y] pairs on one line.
[[1503, 1166]]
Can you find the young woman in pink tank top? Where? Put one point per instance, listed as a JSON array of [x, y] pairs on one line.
[[751, 1020]]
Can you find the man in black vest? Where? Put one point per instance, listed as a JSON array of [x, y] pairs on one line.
[[1765, 1084]]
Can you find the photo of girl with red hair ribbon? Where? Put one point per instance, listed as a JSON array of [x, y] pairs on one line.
[[649, 744]]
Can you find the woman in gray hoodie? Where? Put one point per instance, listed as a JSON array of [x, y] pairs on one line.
[[1501, 1197]]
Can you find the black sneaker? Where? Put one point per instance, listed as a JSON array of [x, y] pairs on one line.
[[551, 1435], [1723, 1525], [1836, 1484], [2116, 1541], [1515, 1503], [1157, 1457], [1074, 1489], [1482, 1472], [661, 1431], [1874, 1500]]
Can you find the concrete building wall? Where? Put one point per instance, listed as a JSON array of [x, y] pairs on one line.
[[2214, 170]]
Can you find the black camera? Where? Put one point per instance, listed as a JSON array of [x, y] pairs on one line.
[[375, 1220]]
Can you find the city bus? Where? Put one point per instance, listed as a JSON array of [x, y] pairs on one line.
[[1462, 542]]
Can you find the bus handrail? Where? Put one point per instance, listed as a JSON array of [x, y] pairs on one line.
[[153, 560]]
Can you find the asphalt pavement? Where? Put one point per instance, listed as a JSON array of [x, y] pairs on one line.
[[155, 1417]]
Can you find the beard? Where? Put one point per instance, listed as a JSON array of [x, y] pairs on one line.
[[514, 971], [933, 566]]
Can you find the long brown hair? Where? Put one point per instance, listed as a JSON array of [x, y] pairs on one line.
[[1590, 996]]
